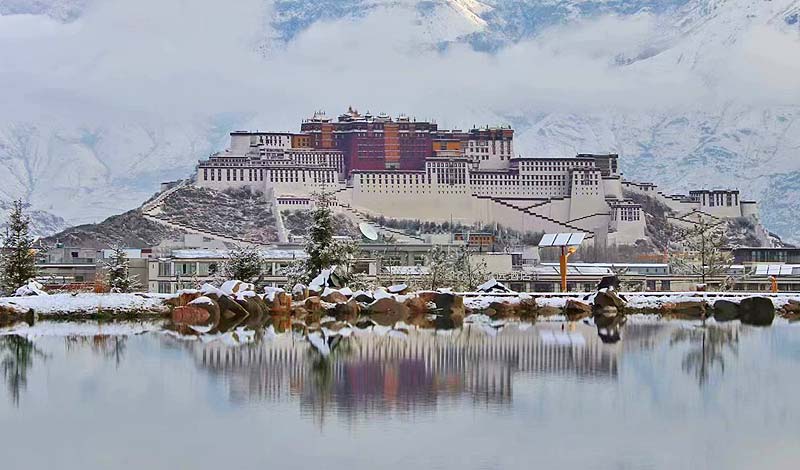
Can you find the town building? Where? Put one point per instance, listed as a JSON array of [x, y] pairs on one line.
[[75, 268], [186, 269], [393, 263]]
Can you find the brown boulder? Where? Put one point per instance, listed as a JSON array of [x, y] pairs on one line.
[[606, 316], [313, 305], [191, 315], [416, 306], [609, 298], [281, 304], [501, 310], [725, 310], [299, 313], [299, 292], [229, 307], [183, 298], [758, 311], [548, 311], [348, 311], [793, 306], [576, 310], [442, 322], [448, 304], [257, 311], [388, 311], [427, 296], [335, 297], [527, 308], [685, 310]]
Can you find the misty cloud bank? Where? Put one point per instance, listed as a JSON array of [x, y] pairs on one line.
[[183, 59]]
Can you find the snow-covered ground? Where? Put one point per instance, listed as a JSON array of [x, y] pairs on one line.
[[83, 328], [86, 303], [636, 300]]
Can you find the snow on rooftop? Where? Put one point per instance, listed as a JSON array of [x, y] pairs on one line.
[[269, 253]]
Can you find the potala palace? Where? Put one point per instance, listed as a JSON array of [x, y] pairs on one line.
[[402, 168]]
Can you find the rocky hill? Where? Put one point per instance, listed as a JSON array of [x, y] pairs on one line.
[[663, 234], [130, 229], [298, 223], [230, 216]]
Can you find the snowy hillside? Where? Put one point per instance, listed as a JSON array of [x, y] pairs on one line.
[[229, 217], [105, 100]]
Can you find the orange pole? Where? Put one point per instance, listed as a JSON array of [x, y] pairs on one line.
[[565, 253]]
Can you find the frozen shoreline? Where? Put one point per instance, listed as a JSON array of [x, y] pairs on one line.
[[91, 305], [86, 304]]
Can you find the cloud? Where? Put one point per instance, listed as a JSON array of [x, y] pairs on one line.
[[174, 59], [96, 111]]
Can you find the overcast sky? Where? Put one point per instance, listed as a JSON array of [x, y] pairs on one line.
[[178, 59]]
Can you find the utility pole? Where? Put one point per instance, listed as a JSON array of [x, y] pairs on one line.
[[565, 254]]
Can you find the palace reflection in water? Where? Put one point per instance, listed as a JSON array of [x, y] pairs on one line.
[[668, 395], [370, 372]]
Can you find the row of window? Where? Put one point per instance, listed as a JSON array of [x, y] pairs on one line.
[[275, 176], [626, 214], [718, 199], [558, 165]]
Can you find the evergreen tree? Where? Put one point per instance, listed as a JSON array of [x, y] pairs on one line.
[[18, 259], [323, 250], [320, 242], [244, 263], [118, 270]]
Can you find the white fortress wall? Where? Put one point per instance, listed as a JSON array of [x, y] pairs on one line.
[[221, 178], [587, 196], [612, 186], [750, 209]]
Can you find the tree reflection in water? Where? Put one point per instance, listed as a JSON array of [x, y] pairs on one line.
[[111, 347], [16, 359], [708, 348], [322, 371]]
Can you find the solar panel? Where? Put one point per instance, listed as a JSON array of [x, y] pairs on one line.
[[774, 269], [786, 270], [576, 239], [761, 270], [547, 239], [562, 239]]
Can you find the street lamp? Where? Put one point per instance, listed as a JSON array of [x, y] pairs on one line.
[[569, 243]]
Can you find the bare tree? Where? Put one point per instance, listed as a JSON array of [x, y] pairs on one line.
[[703, 252]]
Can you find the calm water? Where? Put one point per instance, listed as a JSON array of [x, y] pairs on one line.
[[669, 395]]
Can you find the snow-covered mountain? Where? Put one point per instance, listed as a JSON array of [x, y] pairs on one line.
[[105, 101]]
